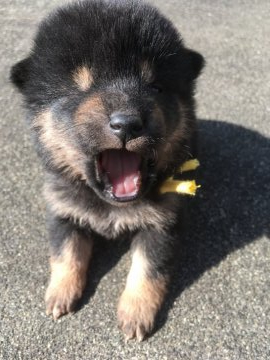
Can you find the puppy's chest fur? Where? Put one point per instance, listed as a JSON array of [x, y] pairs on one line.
[[82, 206]]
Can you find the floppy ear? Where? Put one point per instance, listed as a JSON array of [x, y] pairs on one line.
[[19, 73], [191, 65]]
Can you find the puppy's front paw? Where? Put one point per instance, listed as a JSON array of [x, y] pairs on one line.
[[68, 275], [62, 298], [136, 316]]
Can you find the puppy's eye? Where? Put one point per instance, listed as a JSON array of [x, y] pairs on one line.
[[156, 88]]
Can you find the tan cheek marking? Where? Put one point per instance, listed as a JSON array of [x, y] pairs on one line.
[[55, 140], [178, 134], [181, 131], [173, 140], [68, 275], [91, 107], [158, 116], [83, 77]]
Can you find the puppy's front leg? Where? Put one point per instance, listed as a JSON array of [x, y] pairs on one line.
[[146, 284], [70, 253]]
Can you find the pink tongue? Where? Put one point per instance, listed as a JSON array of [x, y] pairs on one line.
[[122, 168]]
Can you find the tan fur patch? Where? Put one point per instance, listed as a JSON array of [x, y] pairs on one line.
[[181, 131], [141, 299], [111, 225], [139, 283], [93, 114], [90, 107], [63, 154], [68, 275], [147, 71], [179, 134], [83, 77], [139, 145]]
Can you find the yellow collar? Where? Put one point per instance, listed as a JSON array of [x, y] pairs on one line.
[[182, 186]]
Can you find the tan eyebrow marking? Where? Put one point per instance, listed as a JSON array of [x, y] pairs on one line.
[[147, 71], [83, 77]]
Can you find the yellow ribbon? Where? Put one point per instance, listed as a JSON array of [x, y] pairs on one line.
[[182, 186]]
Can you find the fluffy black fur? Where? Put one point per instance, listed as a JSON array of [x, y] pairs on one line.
[[91, 60]]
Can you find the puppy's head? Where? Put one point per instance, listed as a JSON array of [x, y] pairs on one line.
[[109, 88]]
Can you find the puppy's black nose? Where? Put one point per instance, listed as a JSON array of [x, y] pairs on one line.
[[126, 127]]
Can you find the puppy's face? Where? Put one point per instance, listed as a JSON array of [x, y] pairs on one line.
[[119, 126], [114, 115]]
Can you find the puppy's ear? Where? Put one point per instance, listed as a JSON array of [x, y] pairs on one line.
[[19, 73], [191, 64]]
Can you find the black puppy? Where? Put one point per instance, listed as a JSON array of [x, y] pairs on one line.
[[108, 88]]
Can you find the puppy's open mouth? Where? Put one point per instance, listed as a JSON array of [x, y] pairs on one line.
[[120, 171]]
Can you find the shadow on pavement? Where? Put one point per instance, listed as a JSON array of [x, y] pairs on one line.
[[231, 210], [106, 256], [233, 205]]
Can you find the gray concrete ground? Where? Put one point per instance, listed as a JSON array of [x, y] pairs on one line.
[[219, 304]]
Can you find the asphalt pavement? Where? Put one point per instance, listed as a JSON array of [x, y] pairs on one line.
[[219, 304]]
